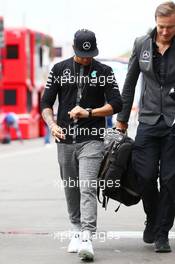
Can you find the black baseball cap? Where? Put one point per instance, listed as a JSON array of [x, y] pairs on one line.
[[85, 43]]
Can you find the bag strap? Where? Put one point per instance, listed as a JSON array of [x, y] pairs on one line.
[[98, 194], [116, 210], [105, 202], [78, 98], [79, 87]]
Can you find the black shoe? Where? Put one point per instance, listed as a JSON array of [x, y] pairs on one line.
[[162, 245], [149, 233]]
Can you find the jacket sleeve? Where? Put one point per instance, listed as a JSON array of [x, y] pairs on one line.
[[51, 90], [112, 93], [130, 84]]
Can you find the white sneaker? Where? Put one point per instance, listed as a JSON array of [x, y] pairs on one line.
[[74, 244], [86, 251]]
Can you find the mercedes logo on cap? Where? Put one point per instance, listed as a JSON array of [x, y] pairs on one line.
[[86, 45]]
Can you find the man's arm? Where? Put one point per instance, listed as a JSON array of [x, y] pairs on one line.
[[112, 94], [105, 110], [56, 131], [47, 102], [48, 117], [79, 112], [129, 89]]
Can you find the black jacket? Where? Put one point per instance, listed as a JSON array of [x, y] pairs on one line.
[[94, 95], [155, 99]]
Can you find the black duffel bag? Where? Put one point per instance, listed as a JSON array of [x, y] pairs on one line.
[[116, 178]]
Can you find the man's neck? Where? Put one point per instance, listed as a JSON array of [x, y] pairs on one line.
[[76, 60], [162, 45]]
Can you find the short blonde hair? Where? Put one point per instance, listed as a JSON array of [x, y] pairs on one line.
[[165, 9]]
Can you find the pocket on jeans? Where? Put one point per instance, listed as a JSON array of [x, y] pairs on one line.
[[95, 148]]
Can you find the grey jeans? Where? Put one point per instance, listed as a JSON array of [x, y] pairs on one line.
[[79, 165]]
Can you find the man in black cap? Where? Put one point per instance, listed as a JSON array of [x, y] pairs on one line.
[[87, 93]]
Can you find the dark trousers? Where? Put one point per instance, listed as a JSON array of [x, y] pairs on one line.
[[153, 159]]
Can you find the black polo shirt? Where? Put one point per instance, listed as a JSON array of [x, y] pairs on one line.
[[95, 93]]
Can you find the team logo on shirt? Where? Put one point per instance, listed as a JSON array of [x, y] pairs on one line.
[[66, 72], [94, 74], [146, 55], [86, 45]]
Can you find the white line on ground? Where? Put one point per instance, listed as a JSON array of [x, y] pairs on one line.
[[62, 235], [133, 234], [100, 235]]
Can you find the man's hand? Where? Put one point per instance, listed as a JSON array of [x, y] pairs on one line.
[[78, 112], [57, 132], [121, 126]]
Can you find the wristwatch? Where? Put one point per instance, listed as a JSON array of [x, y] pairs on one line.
[[90, 111]]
